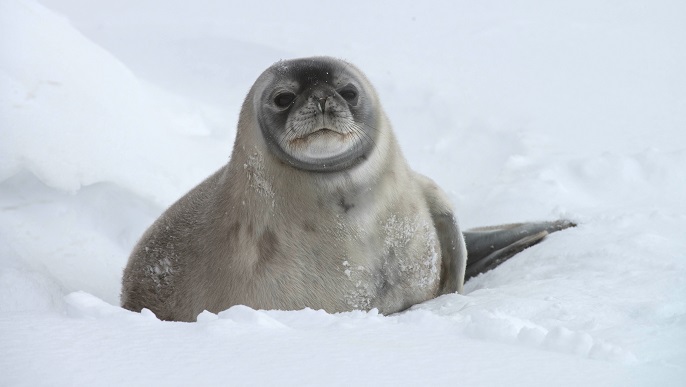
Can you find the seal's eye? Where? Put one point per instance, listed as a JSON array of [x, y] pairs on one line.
[[285, 99], [348, 94]]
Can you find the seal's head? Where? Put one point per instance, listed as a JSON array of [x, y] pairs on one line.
[[316, 114]]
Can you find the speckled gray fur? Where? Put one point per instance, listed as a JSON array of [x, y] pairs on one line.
[[269, 234], [316, 208]]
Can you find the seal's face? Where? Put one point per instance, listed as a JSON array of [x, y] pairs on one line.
[[317, 114]]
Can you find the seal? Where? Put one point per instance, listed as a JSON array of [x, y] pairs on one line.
[[316, 208]]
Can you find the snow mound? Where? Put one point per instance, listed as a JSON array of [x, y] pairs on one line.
[[74, 115]]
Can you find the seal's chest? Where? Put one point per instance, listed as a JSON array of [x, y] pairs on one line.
[[400, 258]]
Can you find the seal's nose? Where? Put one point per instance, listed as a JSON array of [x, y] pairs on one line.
[[321, 103], [320, 96]]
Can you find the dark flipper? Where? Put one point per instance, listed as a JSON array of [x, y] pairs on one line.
[[488, 247]]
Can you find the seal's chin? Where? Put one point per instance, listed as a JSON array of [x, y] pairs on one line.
[[321, 144]]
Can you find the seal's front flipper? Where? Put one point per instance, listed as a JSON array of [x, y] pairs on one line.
[[488, 247], [450, 239]]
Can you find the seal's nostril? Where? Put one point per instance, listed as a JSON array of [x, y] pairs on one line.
[[321, 103]]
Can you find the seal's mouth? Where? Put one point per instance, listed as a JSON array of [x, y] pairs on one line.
[[323, 134], [326, 130]]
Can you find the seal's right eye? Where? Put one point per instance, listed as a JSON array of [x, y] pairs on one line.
[[284, 100]]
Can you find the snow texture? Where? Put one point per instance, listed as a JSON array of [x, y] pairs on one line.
[[528, 110]]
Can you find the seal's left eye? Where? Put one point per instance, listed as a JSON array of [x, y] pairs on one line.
[[283, 100], [348, 94]]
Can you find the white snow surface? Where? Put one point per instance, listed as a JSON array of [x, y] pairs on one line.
[[527, 110]]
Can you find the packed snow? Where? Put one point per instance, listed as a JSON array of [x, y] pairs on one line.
[[528, 110]]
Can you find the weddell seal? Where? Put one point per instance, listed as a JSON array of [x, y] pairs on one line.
[[316, 208]]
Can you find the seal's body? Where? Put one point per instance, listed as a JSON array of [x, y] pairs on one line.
[[316, 208]]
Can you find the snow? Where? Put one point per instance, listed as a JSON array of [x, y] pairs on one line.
[[110, 111]]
